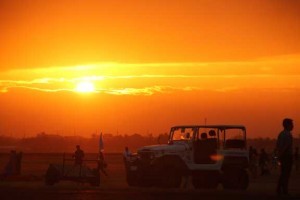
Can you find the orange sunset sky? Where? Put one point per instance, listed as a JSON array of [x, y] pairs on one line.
[[140, 66]]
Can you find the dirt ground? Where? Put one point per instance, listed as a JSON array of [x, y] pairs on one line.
[[114, 186]]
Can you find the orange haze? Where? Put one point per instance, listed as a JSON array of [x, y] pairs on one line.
[[138, 66]]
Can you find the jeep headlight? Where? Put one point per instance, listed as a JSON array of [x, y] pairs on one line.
[[159, 153], [152, 156]]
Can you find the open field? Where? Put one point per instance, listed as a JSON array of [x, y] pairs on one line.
[[114, 186]]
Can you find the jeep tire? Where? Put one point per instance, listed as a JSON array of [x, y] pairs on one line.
[[235, 179], [170, 178]]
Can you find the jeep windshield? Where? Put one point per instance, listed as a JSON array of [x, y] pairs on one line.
[[184, 133], [228, 136]]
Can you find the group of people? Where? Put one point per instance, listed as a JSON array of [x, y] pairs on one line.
[[263, 163], [259, 161]]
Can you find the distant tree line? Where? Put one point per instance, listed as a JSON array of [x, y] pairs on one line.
[[49, 143]]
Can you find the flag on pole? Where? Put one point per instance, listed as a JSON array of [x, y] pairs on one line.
[[101, 145]]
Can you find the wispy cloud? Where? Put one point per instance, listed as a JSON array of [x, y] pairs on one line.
[[135, 91], [152, 78], [220, 83]]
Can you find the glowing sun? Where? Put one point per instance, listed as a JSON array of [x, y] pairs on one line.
[[85, 87]]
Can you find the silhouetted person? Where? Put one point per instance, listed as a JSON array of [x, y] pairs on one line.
[[296, 158], [250, 152], [203, 136], [285, 155], [274, 159], [188, 136], [126, 157], [212, 133], [102, 165], [11, 166], [126, 154], [19, 157], [253, 162], [78, 155], [263, 162]]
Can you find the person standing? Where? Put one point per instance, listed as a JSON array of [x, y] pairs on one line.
[[102, 165], [284, 149], [19, 163], [126, 154], [254, 163], [296, 158], [78, 155], [126, 158]]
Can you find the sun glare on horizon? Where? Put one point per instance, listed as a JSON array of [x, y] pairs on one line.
[[85, 87]]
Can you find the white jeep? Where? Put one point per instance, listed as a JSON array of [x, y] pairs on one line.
[[209, 154]]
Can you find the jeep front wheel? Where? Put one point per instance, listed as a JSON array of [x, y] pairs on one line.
[[170, 178], [206, 180]]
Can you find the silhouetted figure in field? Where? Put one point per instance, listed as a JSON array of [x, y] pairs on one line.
[[126, 154], [285, 155], [78, 155], [126, 157], [274, 160], [264, 163], [19, 157], [102, 165], [296, 158], [11, 166], [188, 136], [250, 152], [253, 162]]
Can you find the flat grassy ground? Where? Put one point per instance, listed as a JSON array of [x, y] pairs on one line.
[[114, 186]]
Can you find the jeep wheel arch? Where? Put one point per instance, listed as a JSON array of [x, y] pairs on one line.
[[235, 178]]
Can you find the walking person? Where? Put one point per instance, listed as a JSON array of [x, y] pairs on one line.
[[285, 156]]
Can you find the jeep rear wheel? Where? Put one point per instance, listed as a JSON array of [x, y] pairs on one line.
[[236, 179], [95, 181], [243, 181]]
